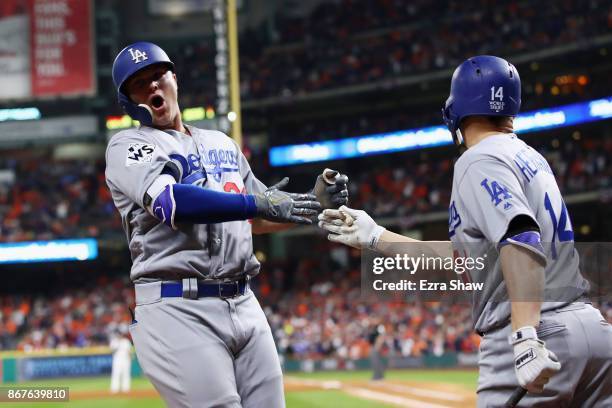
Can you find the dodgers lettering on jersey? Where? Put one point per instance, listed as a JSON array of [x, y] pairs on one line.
[[213, 163], [494, 181], [210, 159]]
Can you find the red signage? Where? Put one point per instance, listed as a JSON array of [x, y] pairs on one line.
[[61, 41]]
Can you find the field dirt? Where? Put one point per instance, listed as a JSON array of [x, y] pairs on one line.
[[409, 394]]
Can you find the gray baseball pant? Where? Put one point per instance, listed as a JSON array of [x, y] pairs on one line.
[[207, 352], [582, 340]]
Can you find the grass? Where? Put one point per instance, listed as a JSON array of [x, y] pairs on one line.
[[98, 403], [327, 399], [295, 399], [86, 383], [464, 378]]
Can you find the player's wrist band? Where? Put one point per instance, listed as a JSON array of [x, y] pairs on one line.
[[522, 334], [375, 236]]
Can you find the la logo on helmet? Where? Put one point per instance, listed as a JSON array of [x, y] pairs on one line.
[[138, 56]]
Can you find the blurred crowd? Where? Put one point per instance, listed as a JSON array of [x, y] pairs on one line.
[[322, 315], [42, 199], [348, 42], [75, 317], [331, 319]]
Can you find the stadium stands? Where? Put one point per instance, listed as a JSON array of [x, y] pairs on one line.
[[48, 199], [384, 39], [75, 317], [69, 199], [313, 304], [325, 318]]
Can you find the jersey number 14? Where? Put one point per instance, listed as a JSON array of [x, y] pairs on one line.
[[559, 224]]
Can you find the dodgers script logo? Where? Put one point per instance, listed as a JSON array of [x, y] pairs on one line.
[[138, 56], [214, 163]]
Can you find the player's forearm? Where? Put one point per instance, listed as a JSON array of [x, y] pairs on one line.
[[390, 244], [524, 277], [172, 203]]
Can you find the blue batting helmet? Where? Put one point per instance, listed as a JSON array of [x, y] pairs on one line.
[[482, 85], [129, 61]]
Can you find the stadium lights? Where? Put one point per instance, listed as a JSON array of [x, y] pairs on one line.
[[49, 251], [19, 114], [189, 115], [420, 138], [119, 122]]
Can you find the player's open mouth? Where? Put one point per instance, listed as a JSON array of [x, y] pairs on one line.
[[157, 102]]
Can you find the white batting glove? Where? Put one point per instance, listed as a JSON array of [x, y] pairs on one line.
[[534, 364], [351, 227]]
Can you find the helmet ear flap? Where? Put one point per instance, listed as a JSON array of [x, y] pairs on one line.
[[445, 116], [451, 122], [141, 113]]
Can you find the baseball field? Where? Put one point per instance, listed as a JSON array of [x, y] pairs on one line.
[[405, 388]]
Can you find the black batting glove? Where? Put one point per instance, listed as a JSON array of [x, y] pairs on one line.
[[279, 206], [331, 189]]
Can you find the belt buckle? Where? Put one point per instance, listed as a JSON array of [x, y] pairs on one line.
[[222, 296]]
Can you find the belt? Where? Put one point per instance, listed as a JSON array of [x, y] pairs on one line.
[[187, 288]]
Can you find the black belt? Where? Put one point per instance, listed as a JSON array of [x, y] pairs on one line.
[[220, 290]]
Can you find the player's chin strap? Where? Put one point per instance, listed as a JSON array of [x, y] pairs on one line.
[[141, 113], [458, 138], [459, 141]]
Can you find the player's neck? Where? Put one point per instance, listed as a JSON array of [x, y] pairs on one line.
[[475, 129], [472, 139], [177, 125], [476, 132]]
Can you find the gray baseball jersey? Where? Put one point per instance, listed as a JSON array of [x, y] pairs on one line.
[[210, 159], [494, 181]]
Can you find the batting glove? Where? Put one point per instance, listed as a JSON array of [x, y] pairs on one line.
[[351, 227], [534, 364], [279, 206], [331, 189]]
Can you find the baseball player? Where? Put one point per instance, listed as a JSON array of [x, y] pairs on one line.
[[121, 375], [186, 196], [506, 206]]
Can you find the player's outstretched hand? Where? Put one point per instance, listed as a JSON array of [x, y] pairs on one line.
[[279, 206], [534, 364], [331, 189], [350, 227]]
